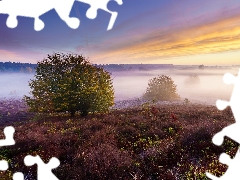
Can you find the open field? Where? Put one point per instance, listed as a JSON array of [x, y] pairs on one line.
[[173, 142]]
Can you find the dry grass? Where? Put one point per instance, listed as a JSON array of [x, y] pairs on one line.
[[124, 144]]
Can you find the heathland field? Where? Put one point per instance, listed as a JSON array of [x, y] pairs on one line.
[[151, 141]]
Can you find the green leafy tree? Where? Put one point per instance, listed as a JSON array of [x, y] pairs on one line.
[[69, 82], [161, 88]]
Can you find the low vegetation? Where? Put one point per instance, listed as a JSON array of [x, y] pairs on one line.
[[170, 142]]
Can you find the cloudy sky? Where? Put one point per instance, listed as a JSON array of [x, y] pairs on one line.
[[145, 31]]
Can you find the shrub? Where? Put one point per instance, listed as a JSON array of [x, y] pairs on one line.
[[192, 79], [161, 88], [69, 82], [201, 67], [186, 100]]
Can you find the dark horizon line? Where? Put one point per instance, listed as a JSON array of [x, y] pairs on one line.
[[13, 62]]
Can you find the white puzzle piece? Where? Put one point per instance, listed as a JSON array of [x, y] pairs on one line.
[[101, 4], [3, 165], [18, 176], [44, 170], [8, 141], [232, 131], [36, 8]]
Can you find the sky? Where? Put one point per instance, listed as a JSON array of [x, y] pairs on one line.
[[180, 32]]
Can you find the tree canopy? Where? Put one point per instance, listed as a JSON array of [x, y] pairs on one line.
[[69, 82], [161, 88]]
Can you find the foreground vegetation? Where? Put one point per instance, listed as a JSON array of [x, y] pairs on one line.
[[148, 142]]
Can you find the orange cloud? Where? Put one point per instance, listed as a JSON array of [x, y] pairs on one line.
[[220, 36]]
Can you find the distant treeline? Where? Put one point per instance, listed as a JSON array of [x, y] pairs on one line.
[[30, 68], [130, 67], [17, 67]]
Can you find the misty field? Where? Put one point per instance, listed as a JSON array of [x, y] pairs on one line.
[[132, 84], [135, 140]]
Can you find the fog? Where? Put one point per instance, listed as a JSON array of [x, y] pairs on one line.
[[14, 85], [132, 84]]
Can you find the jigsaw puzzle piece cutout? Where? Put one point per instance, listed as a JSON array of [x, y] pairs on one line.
[[229, 78], [12, 21], [114, 5], [235, 97], [101, 4], [221, 105], [34, 9], [25, 8], [231, 131], [18, 176], [232, 172], [63, 8], [234, 102], [44, 170], [8, 132], [3, 165]]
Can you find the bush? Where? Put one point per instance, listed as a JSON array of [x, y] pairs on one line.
[[201, 67], [192, 80], [161, 88], [69, 82]]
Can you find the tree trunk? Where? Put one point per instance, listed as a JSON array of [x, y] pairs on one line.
[[84, 113], [72, 113]]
